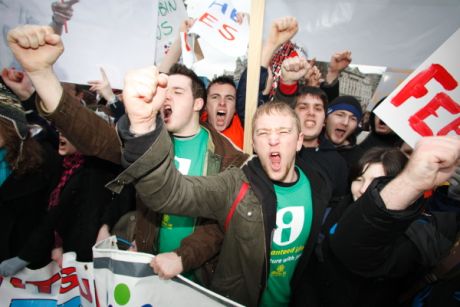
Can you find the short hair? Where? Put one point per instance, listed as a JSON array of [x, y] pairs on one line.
[[275, 107], [198, 88], [224, 79], [392, 159], [305, 90]]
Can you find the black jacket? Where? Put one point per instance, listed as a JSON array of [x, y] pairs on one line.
[[23, 206], [326, 158], [84, 205], [371, 255]]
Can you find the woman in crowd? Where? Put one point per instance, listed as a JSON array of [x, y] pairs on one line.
[[77, 207], [28, 173], [371, 256]]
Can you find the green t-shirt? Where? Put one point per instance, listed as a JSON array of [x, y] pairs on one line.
[[189, 159], [293, 222]]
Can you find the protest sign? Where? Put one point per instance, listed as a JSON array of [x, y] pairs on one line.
[[126, 278], [114, 278], [186, 44], [114, 34], [427, 103], [71, 286], [14, 13], [170, 15], [218, 26]]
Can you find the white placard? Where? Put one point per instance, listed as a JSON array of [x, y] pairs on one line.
[[428, 101], [115, 278], [114, 34], [170, 15], [218, 26], [117, 35], [69, 286]]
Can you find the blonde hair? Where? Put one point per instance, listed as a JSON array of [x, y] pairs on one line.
[[276, 107]]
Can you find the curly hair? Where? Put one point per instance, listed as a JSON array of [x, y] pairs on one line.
[[29, 158]]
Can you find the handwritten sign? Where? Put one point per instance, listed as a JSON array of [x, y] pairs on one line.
[[427, 103], [170, 14], [218, 25]]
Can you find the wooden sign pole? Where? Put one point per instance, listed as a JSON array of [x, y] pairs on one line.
[[254, 54]]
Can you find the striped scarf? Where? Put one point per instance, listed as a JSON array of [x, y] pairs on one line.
[[70, 164], [5, 169]]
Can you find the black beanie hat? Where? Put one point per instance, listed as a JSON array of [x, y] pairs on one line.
[[347, 103]]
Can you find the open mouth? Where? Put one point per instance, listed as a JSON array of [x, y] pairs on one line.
[[167, 112], [309, 123], [275, 160], [220, 117], [340, 133], [62, 142]]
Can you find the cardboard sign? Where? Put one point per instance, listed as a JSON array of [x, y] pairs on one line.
[[427, 103], [217, 25], [170, 15]]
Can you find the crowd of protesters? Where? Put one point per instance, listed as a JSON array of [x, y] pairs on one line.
[[320, 220]]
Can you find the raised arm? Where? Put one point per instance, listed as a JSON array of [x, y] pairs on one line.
[[433, 162], [19, 83], [148, 155], [282, 30], [175, 51], [62, 12], [37, 48], [292, 70], [339, 61], [370, 236]]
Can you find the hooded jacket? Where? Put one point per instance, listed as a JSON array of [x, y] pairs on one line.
[[92, 136], [241, 272]]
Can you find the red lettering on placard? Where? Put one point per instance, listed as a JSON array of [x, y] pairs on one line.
[[17, 283], [68, 277], [416, 87], [187, 46], [207, 17], [95, 294], [44, 286], [86, 293], [229, 35], [417, 123], [452, 126]]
